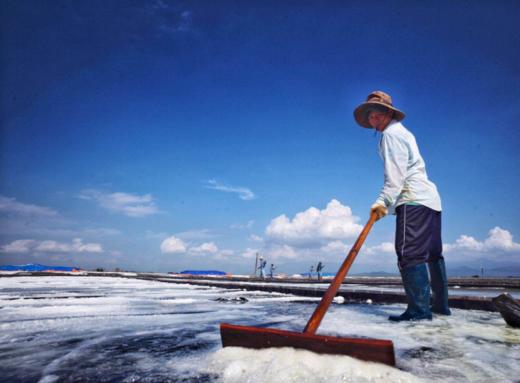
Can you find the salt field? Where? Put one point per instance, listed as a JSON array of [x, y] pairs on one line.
[[104, 329], [489, 292]]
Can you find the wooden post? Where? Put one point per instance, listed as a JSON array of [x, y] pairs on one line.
[[256, 264]]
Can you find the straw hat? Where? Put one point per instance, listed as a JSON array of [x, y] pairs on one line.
[[374, 100]]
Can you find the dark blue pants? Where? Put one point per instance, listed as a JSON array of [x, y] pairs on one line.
[[417, 235]]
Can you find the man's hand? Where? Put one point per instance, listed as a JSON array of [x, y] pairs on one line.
[[379, 210]]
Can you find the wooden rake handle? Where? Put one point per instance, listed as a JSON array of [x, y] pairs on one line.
[[319, 313]]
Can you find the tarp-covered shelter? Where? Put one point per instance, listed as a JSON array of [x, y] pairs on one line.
[[203, 272]]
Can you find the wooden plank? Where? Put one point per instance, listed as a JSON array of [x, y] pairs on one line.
[[373, 350]]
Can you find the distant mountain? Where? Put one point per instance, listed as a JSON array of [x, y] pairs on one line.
[[505, 271], [462, 271], [502, 271], [375, 274]]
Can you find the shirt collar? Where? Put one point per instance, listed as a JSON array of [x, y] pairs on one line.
[[391, 125]]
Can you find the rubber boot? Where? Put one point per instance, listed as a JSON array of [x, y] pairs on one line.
[[417, 288], [439, 283]]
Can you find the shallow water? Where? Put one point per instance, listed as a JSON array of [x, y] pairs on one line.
[[103, 329]]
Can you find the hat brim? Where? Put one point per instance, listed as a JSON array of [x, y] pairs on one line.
[[361, 113]]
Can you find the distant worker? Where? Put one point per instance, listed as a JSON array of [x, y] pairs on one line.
[[263, 263], [310, 273], [271, 270], [319, 267], [417, 205]]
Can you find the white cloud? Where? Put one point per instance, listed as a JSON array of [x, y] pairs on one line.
[[18, 246], [132, 205], [205, 248], [309, 234], [50, 246], [385, 247], [280, 251], [243, 193], [243, 226], [51, 227], [335, 247], [250, 253], [501, 239], [314, 227], [380, 257], [173, 245], [498, 239], [255, 238], [273, 251], [464, 242], [10, 205], [79, 246], [224, 255]]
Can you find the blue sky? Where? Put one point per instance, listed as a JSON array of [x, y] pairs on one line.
[[161, 136]]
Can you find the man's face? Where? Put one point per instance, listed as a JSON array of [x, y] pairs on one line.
[[378, 120]]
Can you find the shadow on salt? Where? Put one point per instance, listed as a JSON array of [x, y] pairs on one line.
[[238, 365]]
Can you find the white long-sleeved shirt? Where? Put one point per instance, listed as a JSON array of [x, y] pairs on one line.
[[406, 180]]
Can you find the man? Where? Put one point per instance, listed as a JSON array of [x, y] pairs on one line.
[[262, 265], [320, 266], [271, 270], [417, 205]]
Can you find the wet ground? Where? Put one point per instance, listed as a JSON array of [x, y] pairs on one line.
[[100, 329]]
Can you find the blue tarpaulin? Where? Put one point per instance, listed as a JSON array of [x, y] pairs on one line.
[[37, 267], [203, 272]]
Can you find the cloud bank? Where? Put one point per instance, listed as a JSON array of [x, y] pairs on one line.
[[25, 246], [10, 205]]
